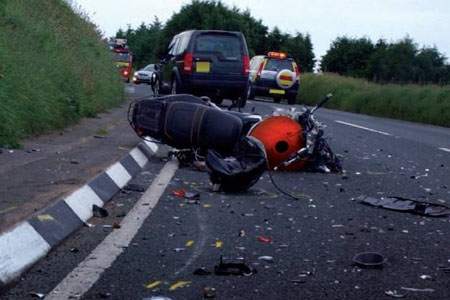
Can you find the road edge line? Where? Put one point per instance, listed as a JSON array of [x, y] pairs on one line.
[[44, 230]]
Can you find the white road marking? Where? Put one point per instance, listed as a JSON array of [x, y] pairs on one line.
[[84, 276], [364, 128], [444, 149], [20, 248], [119, 174], [139, 157], [81, 202]]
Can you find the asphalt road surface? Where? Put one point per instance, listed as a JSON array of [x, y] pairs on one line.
[[300, 249]]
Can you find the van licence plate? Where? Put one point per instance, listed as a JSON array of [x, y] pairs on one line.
[[278, 92], [203, 67]]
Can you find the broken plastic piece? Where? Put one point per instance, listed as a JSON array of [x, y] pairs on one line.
[[178, 285], [192, 195], [369, 260], [218, 244], [99, 212], [417, 290], [179, 193], [264, 239], [408, 205], [153, 284], [235, 266], [189, 243]]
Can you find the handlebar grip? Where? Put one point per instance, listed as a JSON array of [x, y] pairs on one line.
[[325, 100]]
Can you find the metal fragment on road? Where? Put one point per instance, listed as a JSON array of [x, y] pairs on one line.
[[427, 290], [266, 258]]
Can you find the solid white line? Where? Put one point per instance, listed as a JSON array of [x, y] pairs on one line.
[[19, 249], [139, 157], [362, 127], [445, 149], [81, 202], [119, 174], [84, 276]]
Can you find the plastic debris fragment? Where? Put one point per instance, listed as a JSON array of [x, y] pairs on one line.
[[408, 205], [37, 295], [417, 290], [189, 243], [153, 284], [266, 258], [218, 244], [179, 284], [264, 239], [134, 188], [179, 193]]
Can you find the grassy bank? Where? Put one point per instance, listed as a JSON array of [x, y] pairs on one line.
[[426, 104], [54, 69]]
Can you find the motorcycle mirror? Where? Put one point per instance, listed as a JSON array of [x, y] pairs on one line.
[[322, 103]]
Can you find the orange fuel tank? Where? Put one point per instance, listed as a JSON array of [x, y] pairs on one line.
[[282, 137]]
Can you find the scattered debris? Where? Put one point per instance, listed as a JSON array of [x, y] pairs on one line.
[[209, 292], [45, 218], [153, 284], [116, 225], [241, 233], [74, 162], [99, 212], [192, 195], [218, 244], [74, 250], [203, 271], [189, 243], [157, 298], [266, 258], [179, 284], [37, 295], [394, 294], [179, 193], [369, 260], [235, 266], [408, 205], [425, 277], [264, 239], [207, 205], [179, 249], [104, 295], [134, 188]]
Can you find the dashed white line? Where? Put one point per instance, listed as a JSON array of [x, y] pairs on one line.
[[445, 149], [364, 128], [84, 276]]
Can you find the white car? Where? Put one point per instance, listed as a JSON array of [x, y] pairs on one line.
[[144, 75]]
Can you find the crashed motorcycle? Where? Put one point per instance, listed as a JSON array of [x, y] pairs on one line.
[[235, 147]]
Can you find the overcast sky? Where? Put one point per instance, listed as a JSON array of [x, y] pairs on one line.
[[426, 21]]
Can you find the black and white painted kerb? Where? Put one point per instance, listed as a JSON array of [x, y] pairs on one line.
[[32, 239]]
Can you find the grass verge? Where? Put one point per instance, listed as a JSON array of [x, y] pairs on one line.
[[425, 104], [54, 69]]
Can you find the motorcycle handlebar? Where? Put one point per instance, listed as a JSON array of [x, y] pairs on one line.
[[322, 103]]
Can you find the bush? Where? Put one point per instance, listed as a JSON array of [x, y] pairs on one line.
[[54, 69], [418, 103]]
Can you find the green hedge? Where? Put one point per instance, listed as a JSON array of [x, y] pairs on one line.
[[426, 104], [54, 69]]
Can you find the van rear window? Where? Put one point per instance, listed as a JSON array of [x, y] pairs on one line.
[[278, 65], [229, 47]]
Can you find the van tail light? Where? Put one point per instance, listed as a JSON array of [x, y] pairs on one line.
[[188, 61], [245, 64]]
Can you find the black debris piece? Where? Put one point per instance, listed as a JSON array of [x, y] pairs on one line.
[[370, 260], [408, 205], [237, 266], [202, 271], [99, 212], [209, 292], [134, 188]]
